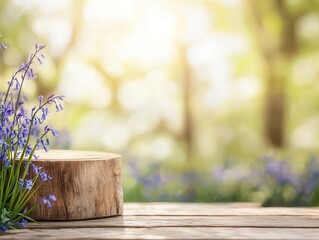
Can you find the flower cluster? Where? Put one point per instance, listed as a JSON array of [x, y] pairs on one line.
[[21, 134], [271, 181]]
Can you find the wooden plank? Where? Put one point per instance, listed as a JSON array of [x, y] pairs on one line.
[[184, 221], [187, 221], [164, 233], [209, 209]]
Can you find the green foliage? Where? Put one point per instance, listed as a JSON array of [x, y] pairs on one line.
[[269, 181], [186, 87], [21, 134]]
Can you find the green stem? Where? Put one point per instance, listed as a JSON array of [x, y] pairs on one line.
[[3, 170], [17, 187], [26, 196]]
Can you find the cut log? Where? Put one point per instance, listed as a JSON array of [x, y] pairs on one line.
[[86, 185]]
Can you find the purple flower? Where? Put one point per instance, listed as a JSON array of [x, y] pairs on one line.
[[30, 74], [48, 129], [43, 145], [52, 197], [28, 184], [4, 47], [21, 182], [20, 135], [44, 201], [40, 98], [44, 177], [25, 133], [28, 151], [6, 164], [49, 205], [54, 133], [40, 61], [23, 222], [47, 201], [39, 47], [36, 169], [45, 113], [23, 67]]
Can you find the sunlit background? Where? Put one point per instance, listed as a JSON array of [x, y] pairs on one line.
[[201, 98]]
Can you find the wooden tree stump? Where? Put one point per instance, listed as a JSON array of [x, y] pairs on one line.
[[86, 185]]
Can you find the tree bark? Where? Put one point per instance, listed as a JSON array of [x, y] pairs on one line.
[[85, 184]]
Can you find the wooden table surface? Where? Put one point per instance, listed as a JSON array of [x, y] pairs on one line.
[[184, 221]]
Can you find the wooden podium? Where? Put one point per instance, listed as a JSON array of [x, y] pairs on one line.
[[86, 185]]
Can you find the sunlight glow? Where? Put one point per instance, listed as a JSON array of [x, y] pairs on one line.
[[83, 84], [159, 148], [141, 50], [107, 13], [59, 34], [150, 42]]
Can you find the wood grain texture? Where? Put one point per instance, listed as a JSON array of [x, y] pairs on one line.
[[216, 233], [215, 209], [86, 184], [184, 221]]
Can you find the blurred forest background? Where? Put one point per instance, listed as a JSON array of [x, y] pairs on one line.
[[212, 100]]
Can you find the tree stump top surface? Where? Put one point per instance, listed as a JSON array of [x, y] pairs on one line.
[[75, 155]]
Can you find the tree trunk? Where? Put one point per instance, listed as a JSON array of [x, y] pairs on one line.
[[187, 86], [275, 103]]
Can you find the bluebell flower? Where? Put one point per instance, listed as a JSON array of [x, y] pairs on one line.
[[40, 98], [51, 197], [44, 201], [49, 204], [36, 169], [39, 47], [22, 223], [39, 60], [43, 176], [20, 136], [43, 145], [21, 182], [23, 67], [28, 184], [48, 200], [4, 47], [28, 151]]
